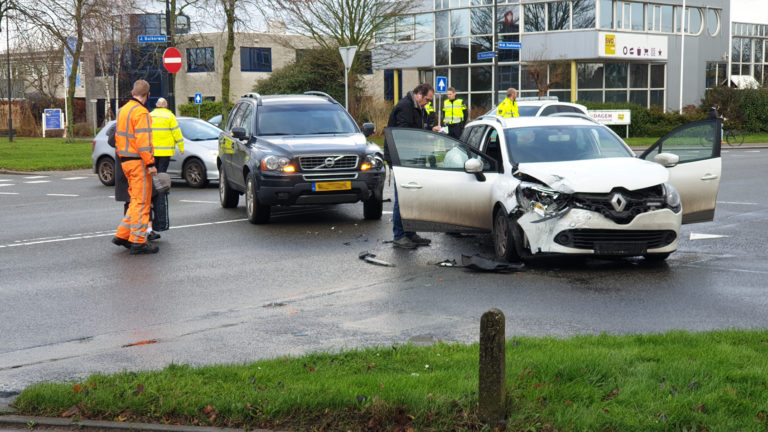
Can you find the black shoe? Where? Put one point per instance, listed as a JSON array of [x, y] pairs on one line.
[[404, 243], [143, 248], [121, 242], [153, 236], [420, 241]]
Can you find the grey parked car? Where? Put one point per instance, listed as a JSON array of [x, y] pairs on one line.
[[197, 166]]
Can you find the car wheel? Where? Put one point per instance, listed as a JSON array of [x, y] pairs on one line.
[[227, 196], [257, 212], [657, 257], [105, 168], [372, 208], [194, 173], [503, 237]]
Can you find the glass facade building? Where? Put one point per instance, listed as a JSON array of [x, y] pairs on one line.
[[579, 50]]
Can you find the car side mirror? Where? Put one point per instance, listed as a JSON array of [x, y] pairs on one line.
[[368, 129], [475, 166], [238, 133], [666, 159]]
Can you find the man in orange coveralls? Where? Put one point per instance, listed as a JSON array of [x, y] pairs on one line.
[[133, 143]]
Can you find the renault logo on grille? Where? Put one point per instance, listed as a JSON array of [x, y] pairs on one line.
[[618, 202], [329, 162]]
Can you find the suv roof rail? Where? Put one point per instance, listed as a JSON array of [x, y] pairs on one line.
[[538, 98], [493, 117], [322, 94], [254, 95], [574, 114]]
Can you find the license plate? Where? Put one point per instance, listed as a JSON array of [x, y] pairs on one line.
[[618, 248], [331, 186]]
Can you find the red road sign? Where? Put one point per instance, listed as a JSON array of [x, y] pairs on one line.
[[172, 60]]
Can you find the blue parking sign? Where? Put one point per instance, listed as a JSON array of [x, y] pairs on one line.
[[441, 84], [198, 98]]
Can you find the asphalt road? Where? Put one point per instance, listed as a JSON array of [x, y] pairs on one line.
[[223, 290]]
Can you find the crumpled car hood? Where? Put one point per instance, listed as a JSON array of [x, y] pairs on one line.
[[597, 175]]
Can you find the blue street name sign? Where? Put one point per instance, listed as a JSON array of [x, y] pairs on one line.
[[486, 55], [153, 39], [53, 119], [441, 84], [198, 98], [511, 45]]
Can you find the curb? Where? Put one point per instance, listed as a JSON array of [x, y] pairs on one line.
[[24, 422]]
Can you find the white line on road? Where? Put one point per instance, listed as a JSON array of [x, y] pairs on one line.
[[105, 234], [386, 212], [63, 195], [737, 203], [698, 236], [9, 193], [5, 180], [74, 178], [199, 202], [752, 151], [7, 184], [37, 181], [35, 177]]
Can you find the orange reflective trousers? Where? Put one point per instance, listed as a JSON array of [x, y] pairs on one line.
[[136, 221]]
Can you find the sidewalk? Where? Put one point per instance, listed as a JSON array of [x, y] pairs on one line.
[[15, 423]]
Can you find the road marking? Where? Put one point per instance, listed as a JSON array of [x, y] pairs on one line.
[[386, 212], [199, 202], [74, 178], [697, 236], [112, 196], [752, 151], [9, 193], [63, 195], [105, 234], [5, 180], [737, 203], [7, 184], [35, 177], [37, 181]]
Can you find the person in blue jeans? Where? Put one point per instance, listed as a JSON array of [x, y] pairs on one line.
[[409, 113]]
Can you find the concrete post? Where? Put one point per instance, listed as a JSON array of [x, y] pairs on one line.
[[492, 376]]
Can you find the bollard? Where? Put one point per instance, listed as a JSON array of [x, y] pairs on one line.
[[492, 375]]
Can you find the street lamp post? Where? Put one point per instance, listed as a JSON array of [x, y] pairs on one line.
[[8, 55], [171, 102]]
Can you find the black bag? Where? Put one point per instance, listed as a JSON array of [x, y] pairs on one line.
[[161, 186]]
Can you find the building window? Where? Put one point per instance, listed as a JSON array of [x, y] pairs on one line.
[[713, 22], [200, 60], [559, 15], [606, 14], [583, 14], [255, 59], [535, 17]]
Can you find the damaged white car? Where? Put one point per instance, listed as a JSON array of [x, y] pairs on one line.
[[557, 185]]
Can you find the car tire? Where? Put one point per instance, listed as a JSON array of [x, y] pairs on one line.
[[257, 212], [503, 236], [194, 173], [372, 208], [657, 257], [227, 196], [105, 168]]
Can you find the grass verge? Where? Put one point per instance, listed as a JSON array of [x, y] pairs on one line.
[[713, 381], [44, 154]]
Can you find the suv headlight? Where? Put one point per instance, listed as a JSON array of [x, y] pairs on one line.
[[541, 199], [273, 163], [672, 198], [374, 161]]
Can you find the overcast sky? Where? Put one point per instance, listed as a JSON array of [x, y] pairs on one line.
[[749, 11]]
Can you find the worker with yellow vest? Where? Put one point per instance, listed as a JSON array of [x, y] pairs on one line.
[[166, 135], [508, 107], [430, 118], [453, 113]]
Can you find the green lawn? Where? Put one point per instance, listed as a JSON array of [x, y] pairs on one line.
[[677, 381], [44, 154]]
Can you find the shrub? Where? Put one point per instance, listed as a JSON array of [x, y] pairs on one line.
[[208, 109], [375, 111], [82, 130]]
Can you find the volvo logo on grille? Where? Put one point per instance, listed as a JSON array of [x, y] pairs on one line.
[[618, 202], [329, 161]]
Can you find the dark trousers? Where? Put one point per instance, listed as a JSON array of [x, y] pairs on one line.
[[455, 130], [162, 162]]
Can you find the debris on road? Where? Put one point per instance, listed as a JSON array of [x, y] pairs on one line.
[[371, 258], [481, 264]]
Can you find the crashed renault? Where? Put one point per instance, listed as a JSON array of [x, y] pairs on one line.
[[557, 185]]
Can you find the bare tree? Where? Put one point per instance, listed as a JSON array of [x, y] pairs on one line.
[[546, 73], [38, 61], [65, 21]]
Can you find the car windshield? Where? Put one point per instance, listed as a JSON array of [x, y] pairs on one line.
[[198, 130], [304, 119], [528, 111], [563, 143]]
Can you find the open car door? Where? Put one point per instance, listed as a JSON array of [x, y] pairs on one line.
[[435, 193], [696, 176]]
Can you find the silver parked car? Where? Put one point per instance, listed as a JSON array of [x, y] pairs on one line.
[[197, 166]]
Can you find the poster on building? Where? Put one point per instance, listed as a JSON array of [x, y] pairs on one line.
[[632, 46], [68, 64]]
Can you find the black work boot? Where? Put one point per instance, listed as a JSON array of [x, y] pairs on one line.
[[121, 242], [143, 248]]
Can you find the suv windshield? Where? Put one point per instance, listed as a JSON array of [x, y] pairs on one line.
[[563, 143], [304, 119], [198, 130]]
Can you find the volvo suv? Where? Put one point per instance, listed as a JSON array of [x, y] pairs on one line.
[[289, 150]]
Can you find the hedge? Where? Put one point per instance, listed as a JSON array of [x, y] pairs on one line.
[[208, 109]]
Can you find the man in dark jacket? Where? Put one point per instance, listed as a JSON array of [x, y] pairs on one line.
[[409, 113]]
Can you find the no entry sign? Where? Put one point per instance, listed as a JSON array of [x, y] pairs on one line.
[[172, 60]]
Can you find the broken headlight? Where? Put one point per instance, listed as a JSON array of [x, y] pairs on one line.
[[541, 199], [672, 198]]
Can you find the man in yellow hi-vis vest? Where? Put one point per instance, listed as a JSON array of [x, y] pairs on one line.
[[166, 135], [453, 113], [508, 107]]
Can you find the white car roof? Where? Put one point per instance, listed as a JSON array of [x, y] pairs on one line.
[[514, 122]]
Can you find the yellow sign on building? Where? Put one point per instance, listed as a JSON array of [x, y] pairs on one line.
[[610, 44]]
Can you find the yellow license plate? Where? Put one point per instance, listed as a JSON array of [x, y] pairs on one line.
[[331, 186]]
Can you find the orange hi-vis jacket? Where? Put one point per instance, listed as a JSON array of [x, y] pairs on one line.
[[133, 137]]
